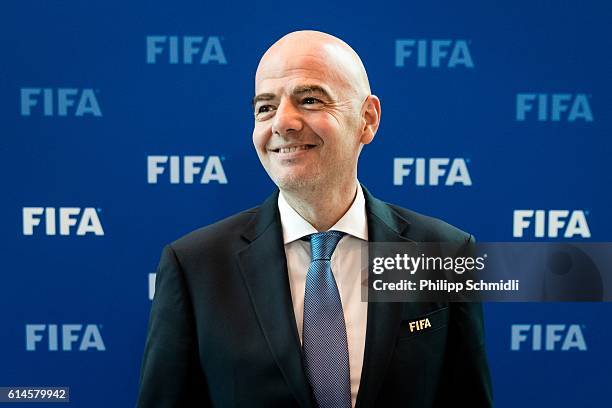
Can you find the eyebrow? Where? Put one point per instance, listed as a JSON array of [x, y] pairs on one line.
[[302, 89], [298, 90], [262, 97]]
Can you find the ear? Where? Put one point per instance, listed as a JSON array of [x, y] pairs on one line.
[[370, 118]]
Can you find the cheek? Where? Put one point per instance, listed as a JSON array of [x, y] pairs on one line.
[[339, 136], [326, 126], [260, 138]]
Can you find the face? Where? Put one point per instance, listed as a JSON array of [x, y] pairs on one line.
[[308, 127]]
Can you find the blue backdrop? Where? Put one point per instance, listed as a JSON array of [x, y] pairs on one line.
[[108, 109]]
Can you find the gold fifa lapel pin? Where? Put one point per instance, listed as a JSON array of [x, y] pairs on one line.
[[419, 324]]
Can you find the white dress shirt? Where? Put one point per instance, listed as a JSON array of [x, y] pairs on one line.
[[346, 267]]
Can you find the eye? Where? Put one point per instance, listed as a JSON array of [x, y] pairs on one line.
[[264, 112], [310, 100], [264, 108]]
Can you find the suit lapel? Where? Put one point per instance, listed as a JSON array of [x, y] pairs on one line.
[[264, 268], [384, 225]]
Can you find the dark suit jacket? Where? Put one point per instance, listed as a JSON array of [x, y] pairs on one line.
[[222, 331]]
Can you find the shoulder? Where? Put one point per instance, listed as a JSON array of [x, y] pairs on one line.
[[413, 225], [220, 236], [424, 228]]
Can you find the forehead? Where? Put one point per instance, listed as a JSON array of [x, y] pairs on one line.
[[281, 70]]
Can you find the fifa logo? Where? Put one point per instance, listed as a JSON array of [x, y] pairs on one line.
[[64, 337], [553, 107], [67, 218], [431, 171], [433, 53], [208, 169], [418, 325], [59, 102], [184, 50], [548, 224], [549, 337]]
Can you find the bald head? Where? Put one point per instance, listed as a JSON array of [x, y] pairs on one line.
[[313, 114], [341, 61]]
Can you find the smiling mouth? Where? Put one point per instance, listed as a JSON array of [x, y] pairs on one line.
[[293, 148]]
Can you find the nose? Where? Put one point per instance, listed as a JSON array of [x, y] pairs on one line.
[[287, 119]]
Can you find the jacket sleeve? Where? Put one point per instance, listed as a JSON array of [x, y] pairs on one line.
[[171, 375], [466, 379]]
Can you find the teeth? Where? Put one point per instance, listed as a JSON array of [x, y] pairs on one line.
[[292, 149]]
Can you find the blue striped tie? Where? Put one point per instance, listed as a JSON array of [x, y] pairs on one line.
[[326, 357]]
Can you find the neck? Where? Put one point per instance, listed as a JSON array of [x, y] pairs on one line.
[[321, 207]]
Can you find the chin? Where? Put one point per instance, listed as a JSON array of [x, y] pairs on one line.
[[296, 182]]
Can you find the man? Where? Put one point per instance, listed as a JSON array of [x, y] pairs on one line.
[[263, 309]]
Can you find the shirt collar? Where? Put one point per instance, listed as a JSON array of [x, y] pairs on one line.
[[353, 222]]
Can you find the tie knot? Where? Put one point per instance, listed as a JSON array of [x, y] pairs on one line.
[[323, 244]]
